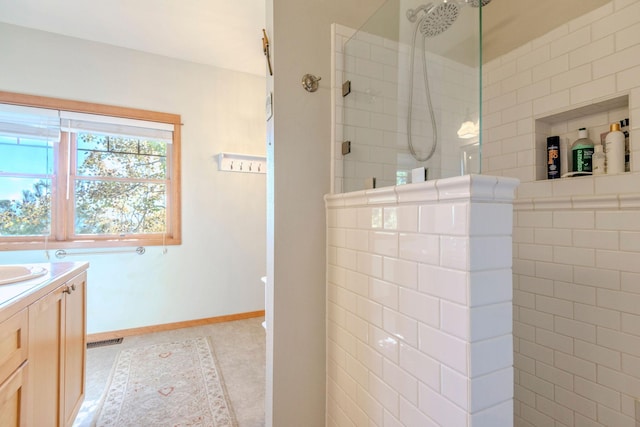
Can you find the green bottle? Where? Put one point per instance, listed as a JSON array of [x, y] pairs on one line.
[[582, 152]]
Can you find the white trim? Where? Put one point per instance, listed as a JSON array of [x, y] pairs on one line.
[[113, 120], [118, 126], [33, 122]]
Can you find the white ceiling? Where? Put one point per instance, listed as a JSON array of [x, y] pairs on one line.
[[222, 33], [228, 33]]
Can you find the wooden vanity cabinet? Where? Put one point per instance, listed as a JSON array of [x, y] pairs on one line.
[[57, 353]]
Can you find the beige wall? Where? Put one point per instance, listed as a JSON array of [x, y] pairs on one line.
[[299, 154]]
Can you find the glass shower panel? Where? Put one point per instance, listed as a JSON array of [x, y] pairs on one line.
[[415, 75]]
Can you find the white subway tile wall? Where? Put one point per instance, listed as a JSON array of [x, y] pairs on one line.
[[575, 241], [419, 335], [591, 58]]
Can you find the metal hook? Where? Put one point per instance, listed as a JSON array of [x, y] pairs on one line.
[[265, 49], [310, 82]]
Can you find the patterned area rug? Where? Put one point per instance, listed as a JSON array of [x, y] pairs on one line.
[[174, 384]]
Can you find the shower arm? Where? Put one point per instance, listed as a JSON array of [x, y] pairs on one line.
[[412, 14]]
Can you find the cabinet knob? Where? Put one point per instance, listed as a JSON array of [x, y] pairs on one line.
[[69, 289]]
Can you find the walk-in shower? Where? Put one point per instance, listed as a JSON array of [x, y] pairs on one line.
[[414, 73]]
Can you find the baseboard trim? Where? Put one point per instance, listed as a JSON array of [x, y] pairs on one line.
[[171, 326]]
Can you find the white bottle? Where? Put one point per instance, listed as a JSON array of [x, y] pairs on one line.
[[614, 149], [597, 161]]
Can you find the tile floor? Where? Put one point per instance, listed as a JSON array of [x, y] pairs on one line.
[[240, 351]]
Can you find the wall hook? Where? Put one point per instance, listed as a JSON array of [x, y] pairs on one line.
[[265, 49], [310, 82]]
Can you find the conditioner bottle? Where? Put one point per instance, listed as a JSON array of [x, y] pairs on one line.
[[614, 149]]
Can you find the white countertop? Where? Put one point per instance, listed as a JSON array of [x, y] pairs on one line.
[[15, 296]]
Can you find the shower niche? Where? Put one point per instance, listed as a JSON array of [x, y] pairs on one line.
[[414, 71], [595, 117]]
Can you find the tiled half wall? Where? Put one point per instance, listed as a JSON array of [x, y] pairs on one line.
[[419, 308]]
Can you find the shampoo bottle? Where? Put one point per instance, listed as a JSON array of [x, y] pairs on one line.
[[614, 149], [582, 150]]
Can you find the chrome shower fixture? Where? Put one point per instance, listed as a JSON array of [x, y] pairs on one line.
[[477, 3], [412, 14], [436, 19], [439, 19]]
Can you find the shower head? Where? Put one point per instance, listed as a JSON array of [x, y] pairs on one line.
[[438, 19]]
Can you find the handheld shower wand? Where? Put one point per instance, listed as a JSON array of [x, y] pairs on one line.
[[435, 20]]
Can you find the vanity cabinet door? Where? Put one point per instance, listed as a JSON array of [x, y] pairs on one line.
[[46, 321], [75, 346], [57, 354], [13, 411]]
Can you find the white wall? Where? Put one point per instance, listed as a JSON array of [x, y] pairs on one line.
[[577, 240], [300, 133], [217, 269]]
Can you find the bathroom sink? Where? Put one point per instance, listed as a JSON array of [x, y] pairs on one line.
[[19, 273]]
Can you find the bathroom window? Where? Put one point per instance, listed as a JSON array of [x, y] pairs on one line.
[[77, 174]]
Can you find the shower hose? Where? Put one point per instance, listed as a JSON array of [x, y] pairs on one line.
[[428, 93]]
